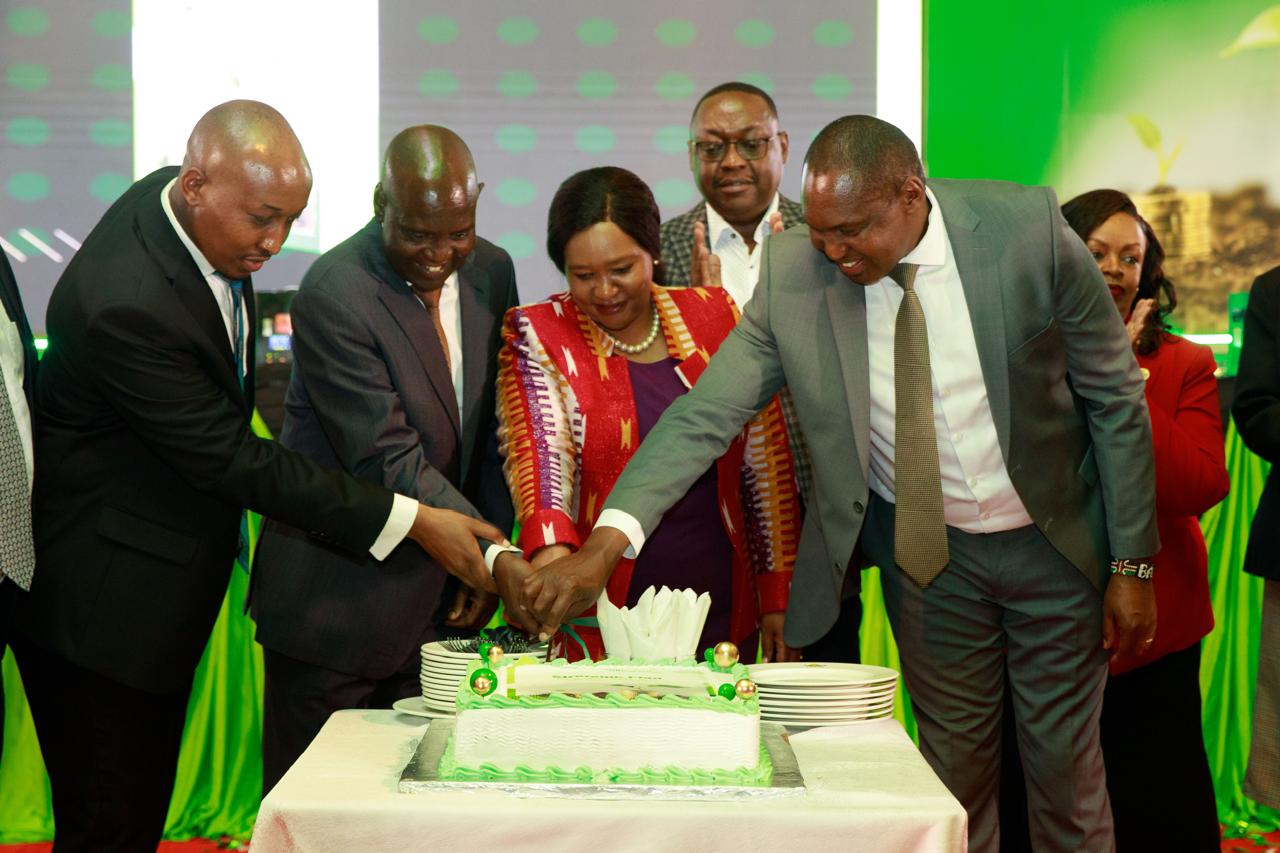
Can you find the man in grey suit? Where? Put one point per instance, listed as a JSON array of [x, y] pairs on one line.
[[396, 337], [1033, 421]]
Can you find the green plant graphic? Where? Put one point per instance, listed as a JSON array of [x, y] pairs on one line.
[[1262, 31], [1149, 136]]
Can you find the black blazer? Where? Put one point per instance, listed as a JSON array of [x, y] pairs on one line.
[[11, 300], [144, 458], [371, 394], [1256, 410]]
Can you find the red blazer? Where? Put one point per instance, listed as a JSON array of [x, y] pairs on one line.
[[1191, 477]]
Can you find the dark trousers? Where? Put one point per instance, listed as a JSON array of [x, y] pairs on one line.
[[840, 644], [111, 752], [299, 697], [1004, 597], [1157, 771]]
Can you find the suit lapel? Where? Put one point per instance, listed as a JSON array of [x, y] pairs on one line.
[[192, 291], [983, 292], [473, 302], [847, 314], [416, 324]]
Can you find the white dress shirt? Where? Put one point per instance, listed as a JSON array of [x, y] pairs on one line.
[[451, 320], [403, 509], [739, 268], [977, 494]]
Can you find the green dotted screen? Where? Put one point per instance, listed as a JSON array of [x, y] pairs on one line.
[[541, 90], [538, 90]]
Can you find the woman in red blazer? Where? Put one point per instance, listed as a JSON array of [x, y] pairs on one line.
[[1157, 771]]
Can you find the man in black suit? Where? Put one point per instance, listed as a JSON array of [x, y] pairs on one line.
[[17, 380], [145, 461], [1256, 410], [396, 335]]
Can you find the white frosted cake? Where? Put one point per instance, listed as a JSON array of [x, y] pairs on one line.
[[614, 722]]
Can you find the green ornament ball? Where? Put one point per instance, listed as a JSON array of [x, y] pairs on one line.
[[727, 691], [484, 681]]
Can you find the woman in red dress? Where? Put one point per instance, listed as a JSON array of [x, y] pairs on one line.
[[586, 374], [1157, 773]]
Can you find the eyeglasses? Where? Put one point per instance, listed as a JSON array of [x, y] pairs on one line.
[[748, 149]]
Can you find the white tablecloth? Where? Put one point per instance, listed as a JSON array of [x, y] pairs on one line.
[[868, 789]]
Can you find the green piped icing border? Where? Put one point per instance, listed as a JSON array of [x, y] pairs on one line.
[[754, 777], [468, 700]]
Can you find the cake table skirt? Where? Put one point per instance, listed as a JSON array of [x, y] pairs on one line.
[[868, 788]]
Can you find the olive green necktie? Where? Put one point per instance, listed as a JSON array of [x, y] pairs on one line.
[[920, 528]]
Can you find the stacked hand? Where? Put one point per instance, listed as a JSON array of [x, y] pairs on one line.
[[450, 537], [560, 584]]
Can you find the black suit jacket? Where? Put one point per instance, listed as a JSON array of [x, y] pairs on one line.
[[11, 300], [1256, 410], [371, 394], [144, 458]]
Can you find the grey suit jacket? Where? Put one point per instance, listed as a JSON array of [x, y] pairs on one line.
[[677, 238], [1065, 391], [371, 394]]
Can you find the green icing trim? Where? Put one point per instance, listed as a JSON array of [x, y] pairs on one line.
[[468, 700], [756, 777]]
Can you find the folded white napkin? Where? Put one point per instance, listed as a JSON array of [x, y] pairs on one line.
[[662, 624]]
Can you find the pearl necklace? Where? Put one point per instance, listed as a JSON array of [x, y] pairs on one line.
[[636, 349]]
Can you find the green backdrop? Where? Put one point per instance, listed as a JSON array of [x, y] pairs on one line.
[[1006, 86]]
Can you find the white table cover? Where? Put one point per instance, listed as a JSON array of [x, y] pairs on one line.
[[868, 789]]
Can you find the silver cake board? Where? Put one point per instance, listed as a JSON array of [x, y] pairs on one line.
[[420, 776]]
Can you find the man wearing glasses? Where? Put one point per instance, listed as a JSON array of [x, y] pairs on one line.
[[736, 154]]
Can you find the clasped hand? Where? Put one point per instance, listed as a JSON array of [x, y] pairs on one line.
[[539, 599]]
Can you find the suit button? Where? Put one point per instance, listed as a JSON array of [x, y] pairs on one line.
[[858, 507]]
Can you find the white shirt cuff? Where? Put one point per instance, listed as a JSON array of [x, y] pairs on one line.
[[403, 512], [624, 521], [494, 550]]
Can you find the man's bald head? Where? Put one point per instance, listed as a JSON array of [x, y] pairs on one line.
[[432, 162], [244, 181], [426, 204], [873, 156]]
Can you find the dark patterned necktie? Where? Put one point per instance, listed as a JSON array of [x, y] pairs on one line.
[[237, 323], [920, 528], [17, 552]]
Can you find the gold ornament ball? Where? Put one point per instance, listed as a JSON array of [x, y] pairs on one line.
[[726, 654], [495, 653], [745, 688], [482, 685]]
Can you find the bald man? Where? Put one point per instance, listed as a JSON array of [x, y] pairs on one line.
[[145, 461], [396, 334]]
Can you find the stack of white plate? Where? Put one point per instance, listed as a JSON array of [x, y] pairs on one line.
[[823, 694], [441, 671]]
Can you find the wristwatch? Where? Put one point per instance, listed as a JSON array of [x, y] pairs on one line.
[[1143, 570]]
